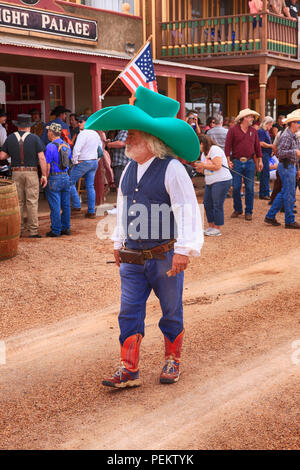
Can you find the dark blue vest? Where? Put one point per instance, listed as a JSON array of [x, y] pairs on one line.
[[148, 219]]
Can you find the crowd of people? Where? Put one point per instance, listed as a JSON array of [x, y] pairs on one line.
[[55, 155], [235, 152], [249, 149], [285, 8]]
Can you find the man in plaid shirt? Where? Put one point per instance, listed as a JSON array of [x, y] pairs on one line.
[[289, 155], [119, 159]]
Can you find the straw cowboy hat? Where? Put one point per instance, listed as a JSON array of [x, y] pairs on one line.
[[246, 112], [152, 113], [294, 116]]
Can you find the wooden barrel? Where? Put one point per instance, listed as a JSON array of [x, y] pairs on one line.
[[10, 220]]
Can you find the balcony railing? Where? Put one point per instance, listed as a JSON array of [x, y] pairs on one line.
[[237, 35]]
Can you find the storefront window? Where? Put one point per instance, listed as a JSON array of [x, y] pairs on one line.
[[205, 99], [55, 95], [27, 92]]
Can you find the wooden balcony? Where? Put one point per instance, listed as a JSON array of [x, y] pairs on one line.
[[233, 36]]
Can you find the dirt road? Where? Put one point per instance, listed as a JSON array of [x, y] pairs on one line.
[[239, 387]]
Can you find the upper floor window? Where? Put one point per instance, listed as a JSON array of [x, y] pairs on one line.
[[113, 5]]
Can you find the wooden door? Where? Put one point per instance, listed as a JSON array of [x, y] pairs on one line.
[[233, 100], [54, 93]]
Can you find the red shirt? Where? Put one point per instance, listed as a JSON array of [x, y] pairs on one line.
[[240, 144]]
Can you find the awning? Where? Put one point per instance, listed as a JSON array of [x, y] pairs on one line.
[[94, 53]]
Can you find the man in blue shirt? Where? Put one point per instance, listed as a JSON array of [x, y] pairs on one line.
[[58, 188], [61, 114]]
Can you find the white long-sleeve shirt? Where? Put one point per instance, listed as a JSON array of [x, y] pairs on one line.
[[3, 135], [86, 146], [184, 204]]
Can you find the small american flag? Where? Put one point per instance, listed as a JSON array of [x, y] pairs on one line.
[[140, 72]]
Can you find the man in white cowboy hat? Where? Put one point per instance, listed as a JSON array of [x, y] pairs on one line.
[[288, 154], [243, 152], [158, 225]]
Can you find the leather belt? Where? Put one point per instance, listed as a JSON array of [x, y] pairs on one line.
[[24, 168], [244, 159], [58, 173], [91, 160], [158, 250], [140, 256]]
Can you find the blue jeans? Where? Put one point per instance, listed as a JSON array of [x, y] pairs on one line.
[[264, 187], [214, 197], [88, 170], [137, 282], [58, 194], [247, 169], [286, 197]]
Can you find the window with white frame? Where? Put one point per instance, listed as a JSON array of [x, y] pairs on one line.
[[113, 5]]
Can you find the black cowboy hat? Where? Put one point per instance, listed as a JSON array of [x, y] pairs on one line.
[[83, 117], [59, 110], [34, 111], [24, 120]]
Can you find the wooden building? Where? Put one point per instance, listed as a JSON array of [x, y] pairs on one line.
[[225, 35], [55, 52], [63, 52]]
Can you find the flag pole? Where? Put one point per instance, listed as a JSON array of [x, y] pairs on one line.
[[112, 84]]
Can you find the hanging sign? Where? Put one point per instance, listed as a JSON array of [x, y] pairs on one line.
[[47, 23]]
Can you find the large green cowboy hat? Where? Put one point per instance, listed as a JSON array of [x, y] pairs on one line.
[[152, 113]]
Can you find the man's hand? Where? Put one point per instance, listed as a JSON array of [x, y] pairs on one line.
[[44, 181], [260, 165], [117, 257], [199, 167], [230, 163], [3, 155], [179, 263]]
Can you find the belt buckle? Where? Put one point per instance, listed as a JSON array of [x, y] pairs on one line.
[[148, 254], [243, 159]]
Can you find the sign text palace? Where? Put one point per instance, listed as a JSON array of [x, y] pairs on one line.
[[49, 23]]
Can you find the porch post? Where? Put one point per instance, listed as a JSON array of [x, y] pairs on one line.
[[244, 92], [181, 96], [95, 71], [264, 31], [263, 72]]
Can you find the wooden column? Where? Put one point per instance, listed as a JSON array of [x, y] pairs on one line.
[[264, 32], [158, 32], [144, 20], [181, 96], [263, 71], [153, 20], [244, 93], [95, 71]]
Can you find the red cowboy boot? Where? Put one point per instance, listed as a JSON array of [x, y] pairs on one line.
[[170, 373], [127, 374]]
